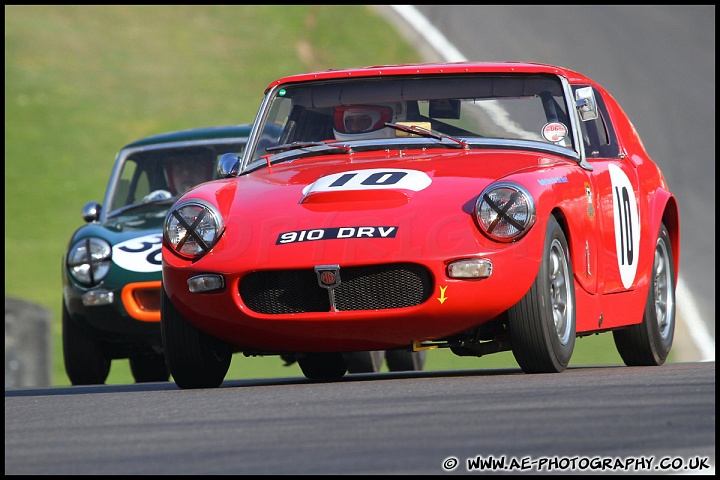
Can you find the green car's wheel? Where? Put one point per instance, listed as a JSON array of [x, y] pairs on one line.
[[86, 363]]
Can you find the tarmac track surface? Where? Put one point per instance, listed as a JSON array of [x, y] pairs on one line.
[[386, 423]]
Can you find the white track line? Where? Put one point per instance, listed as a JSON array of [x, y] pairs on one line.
[[699, 333]]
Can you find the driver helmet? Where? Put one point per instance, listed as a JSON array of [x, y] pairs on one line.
[[362, 122]]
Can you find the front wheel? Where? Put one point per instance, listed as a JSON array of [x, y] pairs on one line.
[[323, 366], [648, 343], [542, 324], [195, 359], [86, 362], [149, 368], [365, 362]]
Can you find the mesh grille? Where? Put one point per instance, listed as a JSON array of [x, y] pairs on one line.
[[375, 287]]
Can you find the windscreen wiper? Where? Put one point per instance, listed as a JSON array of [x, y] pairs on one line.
[[424, 132], [299, 145], [288, 152]]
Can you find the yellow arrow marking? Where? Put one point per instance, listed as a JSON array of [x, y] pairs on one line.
[[442, 296]]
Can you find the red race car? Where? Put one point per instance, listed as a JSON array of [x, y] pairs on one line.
[[480, 207]]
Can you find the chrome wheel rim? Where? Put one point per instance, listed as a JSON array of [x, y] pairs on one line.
[[561, 300], [664, 293]]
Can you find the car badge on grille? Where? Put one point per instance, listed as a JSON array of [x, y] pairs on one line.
[[328, 275]]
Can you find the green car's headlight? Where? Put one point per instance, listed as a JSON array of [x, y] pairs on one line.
[[505, 211], [88, 261], [192, 228]]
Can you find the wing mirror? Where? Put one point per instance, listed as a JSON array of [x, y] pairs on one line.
[[228, 165], [586, 104], [91, 212]]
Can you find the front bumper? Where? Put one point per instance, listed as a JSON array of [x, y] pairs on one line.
[[128, 315], [290, 310]]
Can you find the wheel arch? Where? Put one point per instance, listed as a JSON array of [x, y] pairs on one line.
[[664, 208], [562, 220]]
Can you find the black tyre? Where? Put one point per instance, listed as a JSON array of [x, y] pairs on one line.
[[365, 362], [405, 361], [323, 366], [195, 359], [542, 324], [86, 363], [149, 368], [648, 343]]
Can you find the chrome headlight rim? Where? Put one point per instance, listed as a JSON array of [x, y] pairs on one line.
[[179, 216], [502, 226], [89, 270]]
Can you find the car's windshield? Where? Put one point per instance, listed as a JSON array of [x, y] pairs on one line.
[[469, 108], [152, 176]]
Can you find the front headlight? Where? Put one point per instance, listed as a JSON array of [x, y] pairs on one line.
[[88, 261], [505, 211], [192, 228]]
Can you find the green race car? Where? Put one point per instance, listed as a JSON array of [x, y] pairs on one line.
[[111, 270]]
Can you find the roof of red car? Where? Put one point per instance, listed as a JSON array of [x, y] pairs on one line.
[[433, 68]]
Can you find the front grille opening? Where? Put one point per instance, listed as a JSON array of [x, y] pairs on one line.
[[148, 299], [284, 291], [374, 287]]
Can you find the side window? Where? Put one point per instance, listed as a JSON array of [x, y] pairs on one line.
[[598, 134], [142, 186], [133, 184], [278, 127]]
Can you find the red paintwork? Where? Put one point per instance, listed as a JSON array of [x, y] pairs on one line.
[[434, 68], [436, 226]]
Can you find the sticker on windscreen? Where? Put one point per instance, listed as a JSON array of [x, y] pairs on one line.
[[554, 132], [141, 254]]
